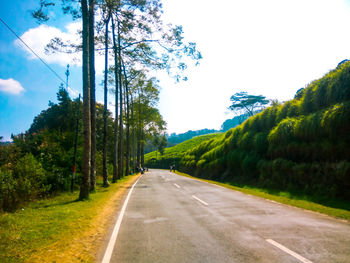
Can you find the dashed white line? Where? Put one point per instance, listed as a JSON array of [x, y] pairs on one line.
[[178, 186], [108, 253], [288, 251], [199, 200]]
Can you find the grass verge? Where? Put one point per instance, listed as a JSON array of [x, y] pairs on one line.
[[60, 229], [282, 197]]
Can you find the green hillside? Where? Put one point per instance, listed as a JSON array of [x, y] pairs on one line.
[[302, 145], [173, 155]]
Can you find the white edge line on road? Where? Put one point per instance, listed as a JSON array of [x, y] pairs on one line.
[[199, 200], [178, 186], [288, 251], [108, 253]]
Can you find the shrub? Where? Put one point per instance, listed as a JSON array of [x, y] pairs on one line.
[[283, 132], [22, 183], [8, 197]]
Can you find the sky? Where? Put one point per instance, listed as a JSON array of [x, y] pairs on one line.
[[271, 48]]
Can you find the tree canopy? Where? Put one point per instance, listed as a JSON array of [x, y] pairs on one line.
[[243, 103]]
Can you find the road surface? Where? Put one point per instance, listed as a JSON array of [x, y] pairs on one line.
[[170, 218]]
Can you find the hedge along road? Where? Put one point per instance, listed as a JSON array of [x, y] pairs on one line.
[[170, 218]]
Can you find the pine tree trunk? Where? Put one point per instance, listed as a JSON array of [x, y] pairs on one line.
[[115, 139], [133, 135], [104, 162], [138, 150], [142, 149], [85, 182], [121, 154], [92, 94], [127, 159], [139, 135]]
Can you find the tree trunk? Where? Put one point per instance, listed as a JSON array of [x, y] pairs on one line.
[[75, 145], [142, 149], [127, 159], [115, 142], [138, 150], [92, 93], [139, 135], [85, 182], [133, 136], [121, 154], [104, 162]]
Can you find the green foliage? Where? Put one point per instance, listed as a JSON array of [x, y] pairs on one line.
[[23, 182], [40, 161], [173, 155], [174, 138], [249, 104], [302, 145]]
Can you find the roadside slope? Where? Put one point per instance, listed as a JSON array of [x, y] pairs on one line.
[[173, 155], [301, 146]]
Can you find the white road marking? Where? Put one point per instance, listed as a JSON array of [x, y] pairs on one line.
[[199, 200], [154, 220], [288, 251], [108, 253], [178, 186]]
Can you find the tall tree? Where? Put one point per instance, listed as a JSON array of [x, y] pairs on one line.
[[83, 10], [120, 146], [147, 119], [116, 82], [92, 92], [127, 109], [105, 175], [86, 160], [142, 40], [243, 103]]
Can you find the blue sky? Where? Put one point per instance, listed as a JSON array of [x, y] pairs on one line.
[[39, 84], [270, 47]]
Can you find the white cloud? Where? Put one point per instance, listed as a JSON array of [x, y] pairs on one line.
[[11, 86], [37, 38]]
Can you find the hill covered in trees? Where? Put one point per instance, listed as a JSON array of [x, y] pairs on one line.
[[174, 138], [173, 155], [301, 145]]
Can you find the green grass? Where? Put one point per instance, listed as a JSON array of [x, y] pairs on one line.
[[178, 150], [287, 199], [60, 229]]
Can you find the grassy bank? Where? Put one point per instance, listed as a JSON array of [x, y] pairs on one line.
[[172, 155], [286, 198], [60, 229]]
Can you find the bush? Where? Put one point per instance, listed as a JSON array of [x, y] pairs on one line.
[[8, 197], [21, 183]]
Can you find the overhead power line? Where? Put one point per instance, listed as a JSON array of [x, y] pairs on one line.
[[41, 59]]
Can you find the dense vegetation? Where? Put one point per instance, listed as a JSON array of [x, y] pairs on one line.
[[302, 145], [173, 155], [174, 138], [39, 162]]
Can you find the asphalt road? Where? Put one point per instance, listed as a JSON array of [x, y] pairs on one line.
[[170, 218]]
